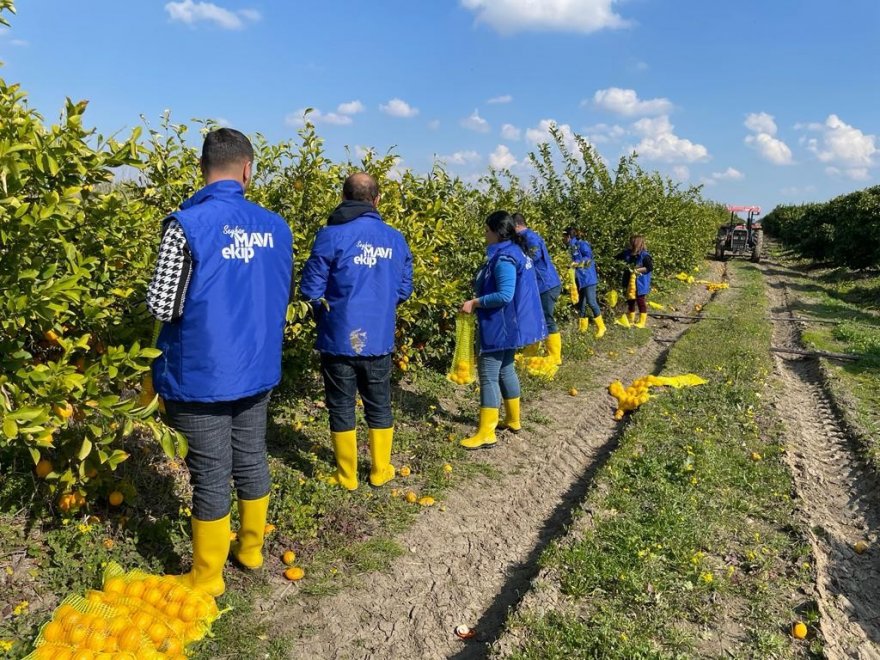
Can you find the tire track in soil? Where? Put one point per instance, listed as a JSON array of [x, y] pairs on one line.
[[839, 494], [474, 562]]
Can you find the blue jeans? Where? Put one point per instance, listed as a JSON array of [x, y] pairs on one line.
[[588, 297], [548, 304], [497, 378], [227, 441], [344, 377]]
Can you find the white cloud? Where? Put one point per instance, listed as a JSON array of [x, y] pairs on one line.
[[771, 149], [760, 122], [794, 191], [730, 174], [350, 108], [681, 172], [434, 124], [461, 158], [475, 123], [603, 133], [509, 16], [362, 152], [510, 132], [505, 98], [763, 139], [501, 158], [190, 13], [626, 102], [854, 173], [541, 134], [659, 142], [399, 108], [844, 145], [298, 118]]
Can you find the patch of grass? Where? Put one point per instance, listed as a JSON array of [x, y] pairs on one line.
[[690, 548]]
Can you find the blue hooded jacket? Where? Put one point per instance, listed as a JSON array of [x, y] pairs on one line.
[[362, 268], [545, 271], [582, 253], [521, 321], [227, 344]]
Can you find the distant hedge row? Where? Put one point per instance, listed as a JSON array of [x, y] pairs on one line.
[[844, 231]]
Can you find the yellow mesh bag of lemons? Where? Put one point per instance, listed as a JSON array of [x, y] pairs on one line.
[[464, 362], [135, 616], [630, 398]]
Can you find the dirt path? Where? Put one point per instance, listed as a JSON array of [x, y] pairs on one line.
[[472, 563], [839, 496]]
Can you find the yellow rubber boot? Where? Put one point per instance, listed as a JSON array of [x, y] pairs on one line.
[[248, 548], [600, 327], [381, 471], [210, 541], [583, 324], [511, 416], [345, 448], [554, 348], [643, 320], [631, 317], [485, 435]]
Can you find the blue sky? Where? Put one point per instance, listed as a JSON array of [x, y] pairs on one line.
[[764, 102]]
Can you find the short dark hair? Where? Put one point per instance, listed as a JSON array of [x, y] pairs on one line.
[[360, 187], [519, 220], [225, 147]]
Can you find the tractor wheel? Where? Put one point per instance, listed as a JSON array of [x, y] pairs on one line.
[[757, 247]]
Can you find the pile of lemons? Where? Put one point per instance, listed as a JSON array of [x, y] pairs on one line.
[[136, 615], [630, 398]]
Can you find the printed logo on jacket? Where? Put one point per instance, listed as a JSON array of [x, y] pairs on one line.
[[370, 255], [243, 243]]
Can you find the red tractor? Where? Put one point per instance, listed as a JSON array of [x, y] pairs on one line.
[[738, 238]]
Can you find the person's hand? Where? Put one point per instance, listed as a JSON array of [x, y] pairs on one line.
[[470, 306]]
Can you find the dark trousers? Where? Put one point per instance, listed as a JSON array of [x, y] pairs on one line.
[[227, 441], [640, 301], [588, 299], [548, 304], [345, 377]]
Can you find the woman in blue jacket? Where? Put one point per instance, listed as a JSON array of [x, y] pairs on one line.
[[640, 264], [510, 316], [587, 280]]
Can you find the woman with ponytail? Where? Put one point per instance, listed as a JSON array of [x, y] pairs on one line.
[[510, 316]]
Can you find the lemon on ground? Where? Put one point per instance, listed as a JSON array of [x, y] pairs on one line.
[[799, 630], [860, 547], [573, 392], [405, 471], [411, 497], [756, 456], [447, 468], [289, 557], [294, 573]]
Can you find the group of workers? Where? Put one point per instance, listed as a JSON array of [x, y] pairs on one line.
[[221, 287]]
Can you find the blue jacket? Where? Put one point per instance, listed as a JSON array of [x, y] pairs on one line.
[[362, 268], [582, 253], [227, 344], [545, 271], [643, 280], [521, 321]]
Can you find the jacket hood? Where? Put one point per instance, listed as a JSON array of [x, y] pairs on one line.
[[350, 210]]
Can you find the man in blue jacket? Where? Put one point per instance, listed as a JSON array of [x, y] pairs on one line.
[[359, 271], [549, 285], [221, 287]]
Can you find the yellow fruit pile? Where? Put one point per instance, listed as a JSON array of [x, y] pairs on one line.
[[540, 366], [684, 277], [464, 369], [137, 615], [714, 286], [630, 398]]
